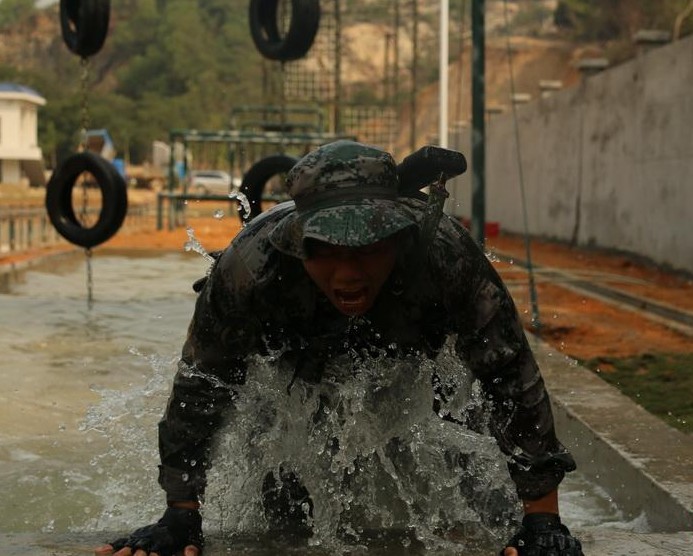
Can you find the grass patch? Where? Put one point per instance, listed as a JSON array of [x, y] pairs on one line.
[[661, 383]]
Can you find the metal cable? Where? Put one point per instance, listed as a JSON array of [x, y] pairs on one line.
[[85, 122], [534, 303]]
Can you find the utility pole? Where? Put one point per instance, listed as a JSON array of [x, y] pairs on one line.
[[443, 74], [414, 87], [395, 73], [337, 115], [478, 122]]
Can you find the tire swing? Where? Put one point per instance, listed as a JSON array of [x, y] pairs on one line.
[[59, 199], [296, 42], [84, 25], [256, 178], [425, 167]]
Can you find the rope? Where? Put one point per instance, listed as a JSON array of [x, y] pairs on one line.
[[536, 322], [85, 122], [90, 278]]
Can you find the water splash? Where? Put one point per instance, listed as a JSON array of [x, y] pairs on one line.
[[194, 245], [245, 204], [492, 256], [364, 442], [370, 451], [127, 421]]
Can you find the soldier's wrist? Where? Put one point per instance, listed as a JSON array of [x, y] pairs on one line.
[[184, 504]]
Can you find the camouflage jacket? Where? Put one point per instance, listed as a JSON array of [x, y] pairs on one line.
[[257, 299]]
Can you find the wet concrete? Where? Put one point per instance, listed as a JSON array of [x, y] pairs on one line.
[[595, 541], [645, 465]]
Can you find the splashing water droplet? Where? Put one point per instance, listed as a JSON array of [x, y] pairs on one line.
[[245, 204], [194, 245]]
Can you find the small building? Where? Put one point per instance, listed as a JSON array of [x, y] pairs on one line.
[[100, 142], [20, 155]]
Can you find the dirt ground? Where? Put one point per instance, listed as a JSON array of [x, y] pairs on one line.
[[575, 324], [587, 328]]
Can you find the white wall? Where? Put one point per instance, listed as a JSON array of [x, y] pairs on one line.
[[18, 130], [608, 163]]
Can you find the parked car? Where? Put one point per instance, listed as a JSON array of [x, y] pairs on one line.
[[215, 182]]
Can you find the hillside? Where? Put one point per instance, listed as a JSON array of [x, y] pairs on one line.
[[178, 63]]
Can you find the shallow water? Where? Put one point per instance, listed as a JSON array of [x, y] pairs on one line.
[[86, 387]]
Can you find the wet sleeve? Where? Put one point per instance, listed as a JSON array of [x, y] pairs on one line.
[[220, 336], [494, 346]]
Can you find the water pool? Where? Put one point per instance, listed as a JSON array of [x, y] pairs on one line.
[[85, 387]]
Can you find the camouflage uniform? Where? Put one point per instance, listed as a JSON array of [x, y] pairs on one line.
[[259, 298]]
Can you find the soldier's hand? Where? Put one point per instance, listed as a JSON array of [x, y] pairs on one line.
[[542, 534], [179, 531]]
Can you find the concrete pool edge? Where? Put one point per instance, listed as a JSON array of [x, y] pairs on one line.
[[645, 465], [10, 267]]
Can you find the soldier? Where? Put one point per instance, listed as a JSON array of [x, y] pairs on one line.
[[297, 279]]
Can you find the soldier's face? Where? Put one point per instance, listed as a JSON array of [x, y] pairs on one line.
[[351, 277]]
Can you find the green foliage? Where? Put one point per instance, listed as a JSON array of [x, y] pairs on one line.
[[186, 63], [616, 19], [661, 383], [590, 20], [530, 20], [182, 64], [13, 12], [165, 64]]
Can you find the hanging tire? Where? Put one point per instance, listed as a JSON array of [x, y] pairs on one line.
[[295, 44], [256, 178], [425, 166], [114, 200], [84, 25]]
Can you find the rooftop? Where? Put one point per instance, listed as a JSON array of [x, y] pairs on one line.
[[15, 90]]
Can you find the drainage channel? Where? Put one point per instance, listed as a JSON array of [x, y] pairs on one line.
[[677, 319]]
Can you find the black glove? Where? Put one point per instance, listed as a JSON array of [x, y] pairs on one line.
[[177, 528], [544, 535]]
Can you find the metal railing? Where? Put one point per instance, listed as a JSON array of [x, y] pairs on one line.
[[22, 229], [26, 228], [175, 210]]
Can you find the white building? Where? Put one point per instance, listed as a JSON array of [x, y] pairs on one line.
[[20, 156]]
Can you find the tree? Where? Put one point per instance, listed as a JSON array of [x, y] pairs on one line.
[[13, 12], [615, 19]]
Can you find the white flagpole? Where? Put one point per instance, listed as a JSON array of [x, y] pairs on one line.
[[443, 71]]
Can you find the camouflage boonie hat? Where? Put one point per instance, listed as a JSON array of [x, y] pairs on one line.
[[345, 194]]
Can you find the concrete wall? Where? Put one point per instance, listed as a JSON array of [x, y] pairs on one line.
[[18, 128], [607, 163]]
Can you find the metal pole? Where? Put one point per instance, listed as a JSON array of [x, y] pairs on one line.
[[443, 74], [337, 67], [414, 89], [387, 78], [478, 123], [395, 73]]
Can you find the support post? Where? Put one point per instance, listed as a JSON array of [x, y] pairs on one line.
[[337, 116], [478, 123], [443, 74], [414, 86]]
